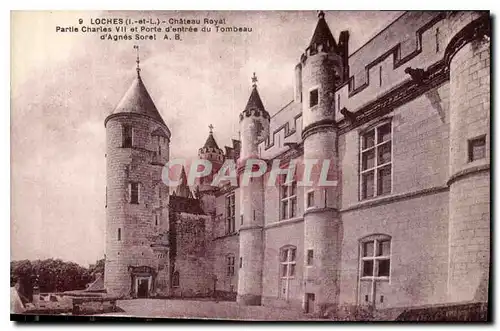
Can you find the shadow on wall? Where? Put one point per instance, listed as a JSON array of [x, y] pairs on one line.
[[435, 100], [481, 294]]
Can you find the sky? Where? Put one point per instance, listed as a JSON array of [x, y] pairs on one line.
[[63, 86]]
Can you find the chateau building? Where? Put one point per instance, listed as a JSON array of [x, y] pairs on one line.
[[405, 123]]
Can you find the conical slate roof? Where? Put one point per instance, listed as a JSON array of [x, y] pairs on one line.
[[211, 143], [159, 132], [137, 100], [322, 33], [183, 190], [254, 101]]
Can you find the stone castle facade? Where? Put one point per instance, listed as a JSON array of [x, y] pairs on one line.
[[405, 123]]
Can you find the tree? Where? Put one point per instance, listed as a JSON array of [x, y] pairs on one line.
[[52, 275], [97, 268], [22, 274]]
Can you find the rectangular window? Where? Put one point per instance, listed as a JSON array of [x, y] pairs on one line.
[[284, 270], [313, 98], [310, 199], [368, 248], [375, 258], [127, 136], [241, 262], [376, 161], [437, 40], [383, 268], [134, 193], [176, 279], [384, 247], [477, 148], [292, 270], [230, 265], [384, 180], [288, 197], [156, 219], [367, 187], [119, 234], [367, 268], [293, 207], [284, 209], [310, 256], [230, 214], [287, 269]]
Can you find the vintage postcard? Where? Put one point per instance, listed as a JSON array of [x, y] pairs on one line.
[[251, 165]]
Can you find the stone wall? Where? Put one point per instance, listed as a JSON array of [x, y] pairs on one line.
[[193, 258], [136, 222], [418, 228], [226, 244], [469, 179], [289, 234]]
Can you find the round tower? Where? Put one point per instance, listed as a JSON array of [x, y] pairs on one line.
[[254, 128], [212, 153], [469, 210], [137, 147], [322, 70]]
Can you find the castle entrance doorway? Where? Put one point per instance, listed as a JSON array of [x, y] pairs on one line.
[[310, 303], [143, 278], [143, 288]]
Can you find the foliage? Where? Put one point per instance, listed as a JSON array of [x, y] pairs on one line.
[[21, 272], [97, 268], [52, 275]]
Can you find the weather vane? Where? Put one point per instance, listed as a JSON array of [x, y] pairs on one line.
[[254, 80], [211, 127], [136, 47]]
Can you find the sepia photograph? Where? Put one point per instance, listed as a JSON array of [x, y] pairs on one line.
[[251, 165]]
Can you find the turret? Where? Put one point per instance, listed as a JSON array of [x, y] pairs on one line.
[[137, 147], [254, 124], [254, 127], [212, 153], [323, 68], [183, 190], [469, 160]]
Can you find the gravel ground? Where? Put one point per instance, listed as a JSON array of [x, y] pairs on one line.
[[205, 309]]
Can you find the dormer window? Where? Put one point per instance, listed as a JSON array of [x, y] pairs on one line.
[[313, 98]]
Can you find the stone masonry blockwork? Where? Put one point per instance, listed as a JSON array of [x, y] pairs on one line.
[[427, 74]]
